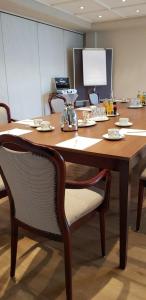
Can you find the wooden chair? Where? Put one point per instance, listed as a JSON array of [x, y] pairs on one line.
[[93, 98], [5, 117], [42, 201], [142, 184], [56, 103]]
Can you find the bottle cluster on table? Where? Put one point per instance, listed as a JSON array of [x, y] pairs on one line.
[[110, 107]]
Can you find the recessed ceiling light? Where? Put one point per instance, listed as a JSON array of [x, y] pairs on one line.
[[81, 7], [137, 10], [100, 16], [123, 0]]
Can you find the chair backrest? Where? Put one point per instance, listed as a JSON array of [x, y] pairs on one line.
[[34, 177], [93, 98], [57, 104], [4, 114]]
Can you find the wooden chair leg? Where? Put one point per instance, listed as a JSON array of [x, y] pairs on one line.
[[102, 231], [14, 241], [140, 203], [68, 266]]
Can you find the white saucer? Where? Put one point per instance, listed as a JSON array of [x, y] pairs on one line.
[[135, 106], [107, 137], [34, 126], [122, 125], [89, 123], [51, 128], [100, 119], [112, 115]]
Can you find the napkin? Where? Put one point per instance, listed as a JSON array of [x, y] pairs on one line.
[[79, 143], [138, 132], [15, 131]]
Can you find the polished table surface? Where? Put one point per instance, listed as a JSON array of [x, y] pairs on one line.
[[120, 155]]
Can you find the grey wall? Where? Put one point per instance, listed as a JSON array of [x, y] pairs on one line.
[[31, 54]]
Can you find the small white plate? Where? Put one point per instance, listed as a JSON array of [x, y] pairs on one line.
[[51, 128], [135, 106], [107, 137], [100, 119], [124, 101], [34, 126], [124, 125], [117, 114], [89, 123]]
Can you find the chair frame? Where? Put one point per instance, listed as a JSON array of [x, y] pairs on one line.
[[3, 193], [19, 144], [7, 110]]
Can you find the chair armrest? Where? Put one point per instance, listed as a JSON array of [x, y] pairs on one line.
[[72, 184]]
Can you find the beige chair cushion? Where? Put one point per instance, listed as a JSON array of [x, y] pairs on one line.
[[2, 187], [143, 175], [80, 202]]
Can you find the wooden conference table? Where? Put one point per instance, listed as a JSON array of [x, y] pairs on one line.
[[120, 155]]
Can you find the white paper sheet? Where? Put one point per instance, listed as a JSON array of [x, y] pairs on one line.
[[15, 131], [26, 122], [79, 143], [137, 132]]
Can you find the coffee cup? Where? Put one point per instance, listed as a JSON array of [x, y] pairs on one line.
[[123, 121], [45, 125], [37, 122], [113, 133]]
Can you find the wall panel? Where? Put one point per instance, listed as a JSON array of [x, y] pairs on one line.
[[51, 53], [22, 66], [71, 40]]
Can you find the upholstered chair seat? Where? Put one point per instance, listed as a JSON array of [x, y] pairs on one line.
[[79, 203]]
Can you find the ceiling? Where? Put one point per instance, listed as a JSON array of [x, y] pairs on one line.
[[94, 11], [81, 15]]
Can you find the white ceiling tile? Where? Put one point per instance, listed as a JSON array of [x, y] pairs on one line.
[[49, 2], [130, 11], [120, 3], [73, 7], [107, 15]]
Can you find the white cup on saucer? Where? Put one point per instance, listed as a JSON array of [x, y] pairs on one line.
[[37, 122], [45, 125], [123, 121], [113, 133]]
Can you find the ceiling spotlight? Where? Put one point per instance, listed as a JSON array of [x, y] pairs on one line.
[[123, 0], [81, 7], [100, 16], [137, 10]]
